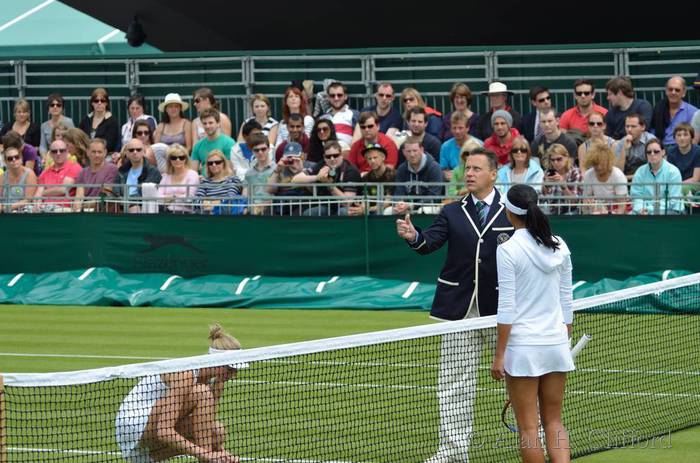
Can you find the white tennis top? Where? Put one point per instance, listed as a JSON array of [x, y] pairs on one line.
[[534, 290]]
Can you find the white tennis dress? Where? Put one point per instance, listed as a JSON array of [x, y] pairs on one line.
[[535, 298]]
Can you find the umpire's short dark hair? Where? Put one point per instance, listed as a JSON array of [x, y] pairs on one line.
[[490, 155]]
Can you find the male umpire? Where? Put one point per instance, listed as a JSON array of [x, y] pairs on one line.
[[467, 287]]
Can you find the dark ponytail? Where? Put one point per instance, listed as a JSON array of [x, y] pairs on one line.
[[537, 224]]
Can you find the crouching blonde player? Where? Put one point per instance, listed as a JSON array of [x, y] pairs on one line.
[[534, 323], [175, 413]]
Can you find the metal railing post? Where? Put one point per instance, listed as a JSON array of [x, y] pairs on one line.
[[20, 69], [248, 78], [132, 76], [491, 62], [368, 77]]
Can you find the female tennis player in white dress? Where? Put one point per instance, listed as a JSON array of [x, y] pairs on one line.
[[175, 413], [534, 325]]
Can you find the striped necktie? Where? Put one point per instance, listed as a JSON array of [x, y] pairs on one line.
[[482, 212]]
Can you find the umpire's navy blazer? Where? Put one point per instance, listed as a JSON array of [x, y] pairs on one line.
[[470, 269]]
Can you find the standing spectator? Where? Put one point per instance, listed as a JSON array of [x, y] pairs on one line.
[[242, 153], [133, 173], [100, 123], [296, 134], [657, 172], [260, 107], [78, 144], [562, 182], [685, 155], [671, 111], [379, 172], [498, 101], [54, 181], [457, 186], [30, 156], [551, 134], [17, 183], [323, 131], [622, 103], [174, 128], [418, 169], [630, 150], [210, 119], [23, 124], [55, 104], [220, 189], [344, 118], [577, 117], [257, 176], [604, 184], [411, 98], [136, 105], [390, 120], [461, 98], [521, 168], [450, 150], [204, 98], [99, 175], [179, 183], [501, 141], [417, 122], [293, 104], [369, 128], [596, 134], [540, 99], [280, 182]]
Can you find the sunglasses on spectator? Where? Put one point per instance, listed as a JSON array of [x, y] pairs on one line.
[[12, 158], [99, 100], [262, 149], [385, 95], [653, 151], [583, 93], [331, 156], [134, 150], [518, 150], [178, 158], [543, 99], [596, 123], [336, 95], [324, 128], [559, 159], [55, 105], [143, 132], [367, 126], [214, 162], [409, 98], [674, 89], [59, 150]]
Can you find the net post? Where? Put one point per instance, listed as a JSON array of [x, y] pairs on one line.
[[3, 442]]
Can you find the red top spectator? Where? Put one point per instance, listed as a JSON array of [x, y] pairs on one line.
[[369, 127]]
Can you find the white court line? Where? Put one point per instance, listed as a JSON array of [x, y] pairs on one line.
[[25, 14], [241, 285], [412, 287], [15, 280], [322, 285], [168, 281], [577, 284], [86, 273]]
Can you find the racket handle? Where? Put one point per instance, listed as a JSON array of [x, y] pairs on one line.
[[580, 345]]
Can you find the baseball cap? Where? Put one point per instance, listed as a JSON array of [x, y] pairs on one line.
[[373, 147], [292, 148]]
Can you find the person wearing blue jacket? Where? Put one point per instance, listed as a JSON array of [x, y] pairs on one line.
[[521, 169], [657, 172]]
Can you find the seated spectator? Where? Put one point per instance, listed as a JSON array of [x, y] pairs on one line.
[[375, 156], [23, 124], [295, 128], [323, 131], [656, 186], [179, 183], [220, 190], [457, 185], [322, 104], [540, 99], [604, 184], [215, 140], [671, 111], [501, 141], [419, 168], [451, 150], [100, 122], [204, 98], [369, 128], [622, 103], [57, 134], [685, 156], [30, 157], [695, 124], [155, 152], [344, 118], [411, 98], [630, 151], [174, 128], [334, 170], [461, 98], [256, 177], [521, 168], [551, 134], [78, 144], [562, 182], [97, 178], [417, 123], [260, 107], [55, 180], [390, 120], [576, 118], [596, 134], [242, 153], [55, 104], [136, 105], [293, 104], [133, 173], [290, 164], [498, 100], [17, 183]]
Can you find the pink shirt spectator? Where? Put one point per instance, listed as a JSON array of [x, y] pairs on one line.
[[53, 176], [184, 193], [573, 119]]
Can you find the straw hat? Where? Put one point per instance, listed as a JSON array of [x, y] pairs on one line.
[[171, 98]]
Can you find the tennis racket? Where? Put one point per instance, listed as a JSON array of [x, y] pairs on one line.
[[507, 415]]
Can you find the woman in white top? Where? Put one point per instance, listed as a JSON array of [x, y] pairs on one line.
[[535, 313], [175, 413], [137, 112], [260, 106], [604, 184], [178, 185]]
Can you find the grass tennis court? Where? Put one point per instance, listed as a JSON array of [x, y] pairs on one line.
[[45, 338]]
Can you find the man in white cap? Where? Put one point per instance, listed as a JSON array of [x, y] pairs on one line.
[[498, 99]]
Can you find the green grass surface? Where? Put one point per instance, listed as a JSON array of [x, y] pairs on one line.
[[317, 407]]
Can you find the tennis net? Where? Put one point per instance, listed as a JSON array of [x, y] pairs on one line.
[[382, 397]]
